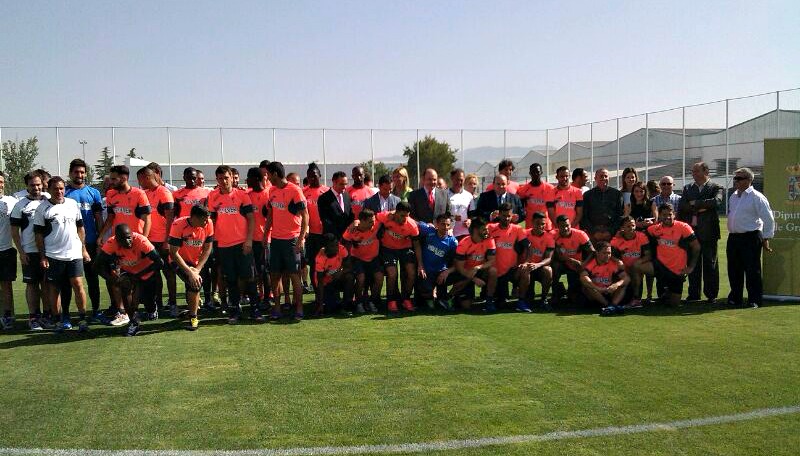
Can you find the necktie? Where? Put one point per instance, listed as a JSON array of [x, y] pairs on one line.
[[341, 201], [431, 203]]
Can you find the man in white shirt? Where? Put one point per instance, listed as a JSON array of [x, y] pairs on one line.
[[750, 227], [460, 201], [25, 241], [8, 257], [60, 240]]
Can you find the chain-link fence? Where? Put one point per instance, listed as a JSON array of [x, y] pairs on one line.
[[725, 134]]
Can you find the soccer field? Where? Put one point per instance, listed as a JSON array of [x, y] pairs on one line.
[[343, 382]]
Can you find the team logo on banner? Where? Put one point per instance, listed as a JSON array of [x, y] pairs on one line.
[[794, 182]]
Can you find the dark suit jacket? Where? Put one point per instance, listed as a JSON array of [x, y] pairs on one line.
[[334, 220], [709, 198], [373, 203], [421, 211], [487, 203]]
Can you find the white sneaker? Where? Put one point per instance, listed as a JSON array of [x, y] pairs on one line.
[[120, 320]]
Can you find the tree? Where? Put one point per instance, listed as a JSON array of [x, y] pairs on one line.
[[132, 154], [104, 164], [380, 170], [433, 154], [20, 159]]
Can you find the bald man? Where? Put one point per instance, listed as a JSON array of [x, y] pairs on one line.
[[490, 201]]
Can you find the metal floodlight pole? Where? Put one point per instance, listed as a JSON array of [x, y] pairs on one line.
[[683, 147], [418, 152], [618, 176], [58, 151], [646, 147], [83, 143], [324, 156], [372, 154], [221, 147], [169, 153]]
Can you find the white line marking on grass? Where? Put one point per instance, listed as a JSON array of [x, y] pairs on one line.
[[424, 447]]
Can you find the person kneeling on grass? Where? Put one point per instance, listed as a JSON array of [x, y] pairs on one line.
[[475, 263], [633, 248], [332, 267], [603, 278], [129, 261], [671, 263], [536, 267], [190, 241], [512, 246], [362, 235], [435, 261], [573, 250]]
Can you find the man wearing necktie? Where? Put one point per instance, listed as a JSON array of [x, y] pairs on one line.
[[490, 201], [335, 209], [428, 202]]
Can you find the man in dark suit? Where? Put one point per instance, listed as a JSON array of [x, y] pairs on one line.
[[335, 209], [698, 207], [428, 201], [491, 200], [384, 200]]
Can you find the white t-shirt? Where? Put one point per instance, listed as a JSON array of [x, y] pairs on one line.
[[459, 205], [60, 223], [7, 204], [22, 216]]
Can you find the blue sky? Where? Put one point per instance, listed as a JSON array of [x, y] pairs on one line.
[[382, 64]]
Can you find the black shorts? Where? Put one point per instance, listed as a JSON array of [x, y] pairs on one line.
[[235, 264], [282, 256], [389, 257], [184, 277], [510, 276], [469, 290], [259, 257], [537, 275], [668, 279], [427, 285], [147, 289], [314, 243], [163, 253], [63, 270], [8, 265], [573, 278], [33, 272], [367, 267]]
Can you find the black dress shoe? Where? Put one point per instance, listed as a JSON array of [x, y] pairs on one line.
[[692, 298]]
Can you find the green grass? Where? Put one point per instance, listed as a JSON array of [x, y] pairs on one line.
[[369, 380]]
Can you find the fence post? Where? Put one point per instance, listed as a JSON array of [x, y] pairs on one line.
[[463, 157], [727, 156], [169, 154], [569, 148], [372, 155], [113, 146], [221, 147], [591, 145], [618, 176], [274, 150], [58, 151], [683, 129], [324, 156], [646, 147], [2, 156], [418, 152], [505, 155], [547, 151]]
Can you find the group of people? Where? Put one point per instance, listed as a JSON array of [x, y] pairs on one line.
[[438, 246]]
